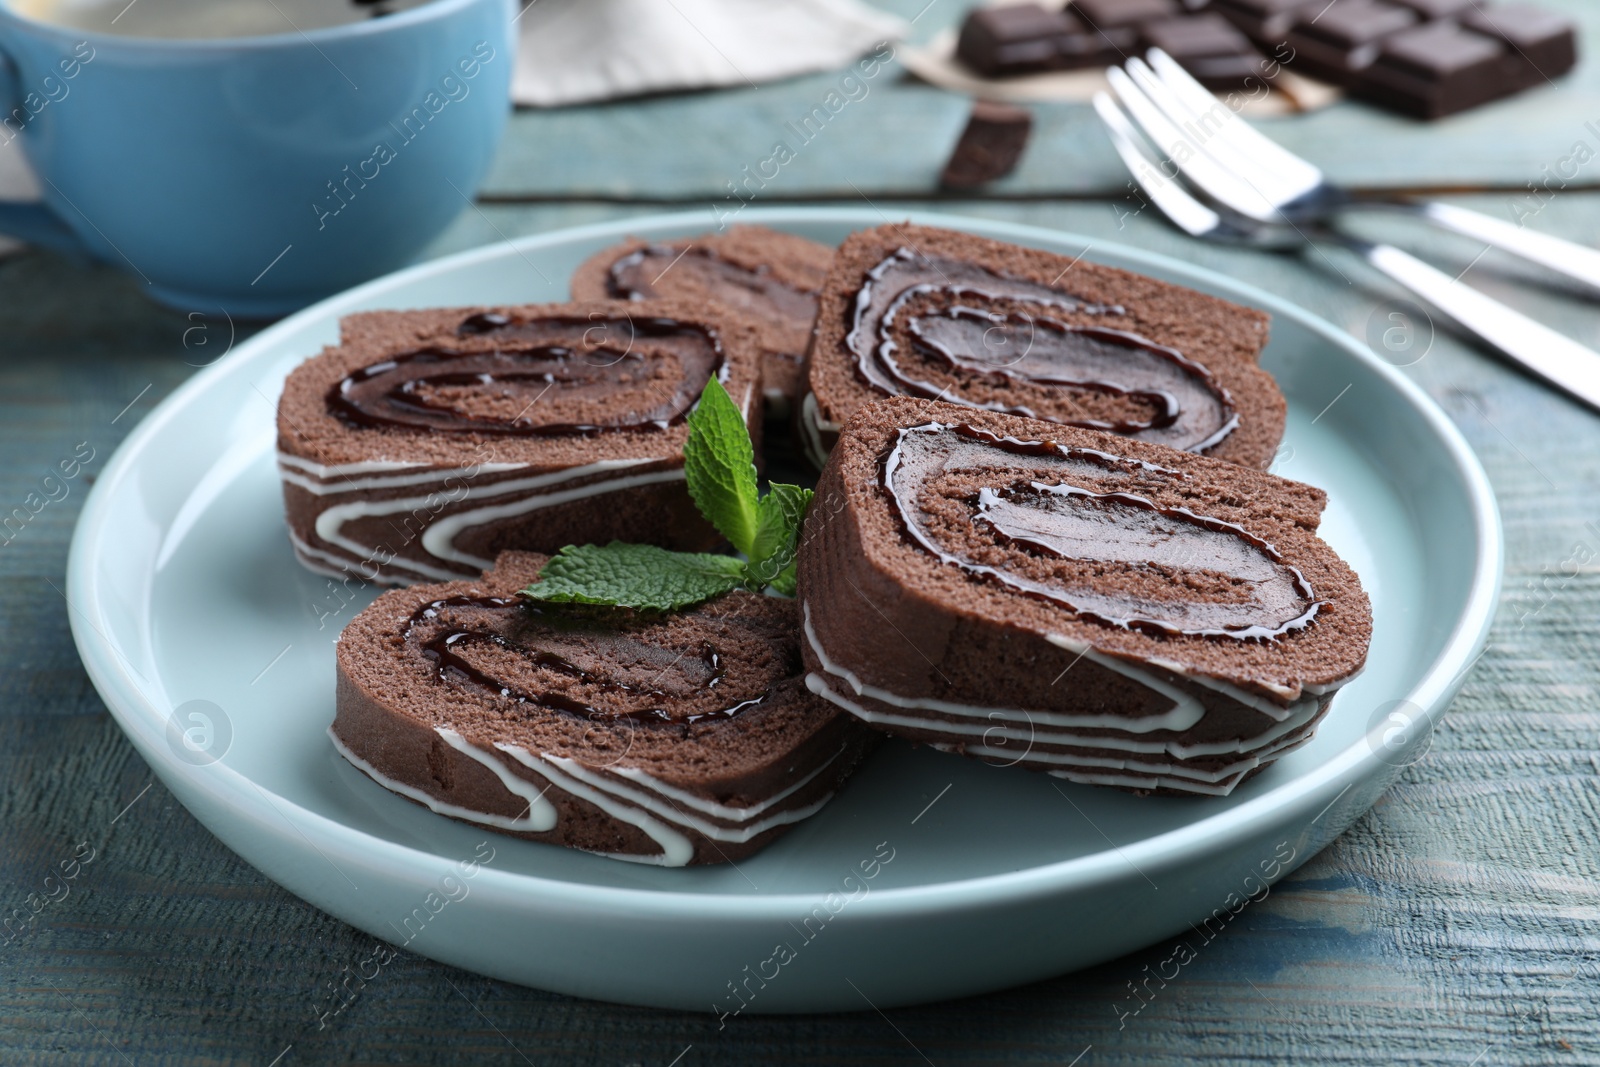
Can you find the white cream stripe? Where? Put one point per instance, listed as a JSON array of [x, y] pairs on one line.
[[676, 850], [1185, 712], [533, 822], [624, 802], [320, 487], [330, 521], [345, 470], [439, 538], [711, 807], [738, 834], [1256, 750], [541, 813]]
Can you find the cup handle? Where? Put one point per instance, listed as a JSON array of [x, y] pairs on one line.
[[30, 220]]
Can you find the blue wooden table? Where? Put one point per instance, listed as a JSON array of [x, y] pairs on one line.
[[1459, 922]]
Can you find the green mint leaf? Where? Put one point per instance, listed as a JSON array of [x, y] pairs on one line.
[[720, 466], [778, 519], [635, 576]]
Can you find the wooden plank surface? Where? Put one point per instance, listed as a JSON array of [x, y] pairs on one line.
[[894, 139], [1459, 922]]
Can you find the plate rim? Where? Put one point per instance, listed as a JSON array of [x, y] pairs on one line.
[[142, 720]]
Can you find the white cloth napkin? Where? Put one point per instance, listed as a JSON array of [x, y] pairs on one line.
[[578, 51]]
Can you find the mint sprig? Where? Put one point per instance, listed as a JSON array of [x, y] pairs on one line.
[[719, 463], [772, 551], [638, 576]]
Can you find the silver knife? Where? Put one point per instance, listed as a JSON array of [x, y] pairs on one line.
[[1552, 356]]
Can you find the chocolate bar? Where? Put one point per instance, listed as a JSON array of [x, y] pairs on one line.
[[1428, 58], [1026, 38]]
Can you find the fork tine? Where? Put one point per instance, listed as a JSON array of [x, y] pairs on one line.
[[1185, 212], [1217, 181], [1207, 135], [1202, 106]]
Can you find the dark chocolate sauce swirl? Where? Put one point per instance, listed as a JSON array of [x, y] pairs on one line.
[[947, 329], [1160, 569], [449, 648], [788, 311], [634, 277], [582, 360]]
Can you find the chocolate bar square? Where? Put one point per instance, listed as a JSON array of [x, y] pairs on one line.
[[1346, 36], [1208, 47], [1111, 14], [1540, 44], [1438, 9], [1118, 21], [1015, 39], [1266, 22], [1436, 69]]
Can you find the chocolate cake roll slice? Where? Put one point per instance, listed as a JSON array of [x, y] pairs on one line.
[[426, 442], [914, 311], [772, 278], [1107, 610], [683, 738]]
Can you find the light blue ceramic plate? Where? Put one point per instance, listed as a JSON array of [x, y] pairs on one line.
[[183, 589]]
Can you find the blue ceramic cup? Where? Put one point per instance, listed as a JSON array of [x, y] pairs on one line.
[[256, 174]]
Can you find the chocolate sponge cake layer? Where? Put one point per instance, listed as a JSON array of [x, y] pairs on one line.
[[426, 442], [1103, 609], [684, 738], [916, 311], [771, 278]]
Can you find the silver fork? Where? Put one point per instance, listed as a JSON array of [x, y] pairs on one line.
[[1553, 356], [1284, 186]]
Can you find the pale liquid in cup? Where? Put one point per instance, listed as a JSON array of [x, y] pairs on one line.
[[199, 19]]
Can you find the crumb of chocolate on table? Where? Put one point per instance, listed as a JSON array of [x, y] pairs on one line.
[[989, 146]]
